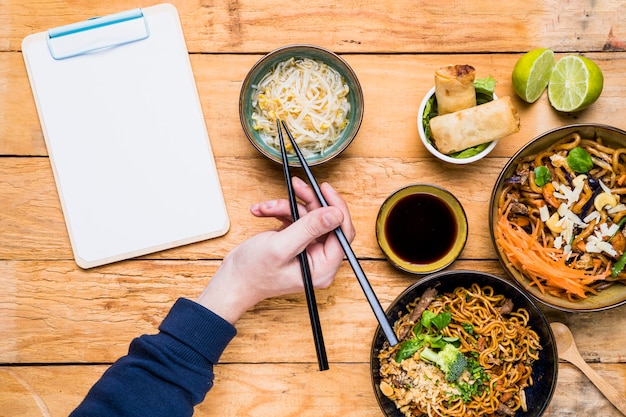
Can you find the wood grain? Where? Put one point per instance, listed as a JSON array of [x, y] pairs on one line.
[[568, 351], [54, 312], [393, 87], [416, 27], [33, 223]]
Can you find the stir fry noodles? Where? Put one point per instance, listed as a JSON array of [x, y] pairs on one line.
[[468, 353], [309, 96], [561, 216]]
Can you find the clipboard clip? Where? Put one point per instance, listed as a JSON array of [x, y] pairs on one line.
[[97, 33]]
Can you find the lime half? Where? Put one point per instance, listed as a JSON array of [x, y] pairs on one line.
[[532, 73], [575, 84]]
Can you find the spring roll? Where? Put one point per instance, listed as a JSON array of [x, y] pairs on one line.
[[454, 88], [454, 132]]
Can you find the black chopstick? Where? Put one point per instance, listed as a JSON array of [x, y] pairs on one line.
[[322, 360], [354, 262]]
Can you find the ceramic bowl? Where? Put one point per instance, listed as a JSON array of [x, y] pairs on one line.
[[421, 228], [608, 298], [265, 64], [433, 150], [545, 369]]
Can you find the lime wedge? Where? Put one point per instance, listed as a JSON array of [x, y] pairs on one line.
[[532, 73], [575, 84]]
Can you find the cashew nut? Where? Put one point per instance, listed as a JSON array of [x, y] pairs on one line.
[[552, 224], [604, 199], [386, 389]]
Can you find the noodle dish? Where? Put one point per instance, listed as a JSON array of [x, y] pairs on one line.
[[471, 344], [558, 214]]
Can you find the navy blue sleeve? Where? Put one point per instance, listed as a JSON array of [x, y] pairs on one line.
[[166, 374]]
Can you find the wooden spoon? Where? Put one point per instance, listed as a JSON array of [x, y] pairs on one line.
[[568, 351]]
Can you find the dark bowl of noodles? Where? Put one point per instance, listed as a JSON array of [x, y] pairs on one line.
[[311, 89], [511, 338], [557, 216]]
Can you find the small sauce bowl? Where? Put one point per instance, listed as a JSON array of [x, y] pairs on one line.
[[421, 228]]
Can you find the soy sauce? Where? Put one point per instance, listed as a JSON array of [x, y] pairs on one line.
[[421, 228]]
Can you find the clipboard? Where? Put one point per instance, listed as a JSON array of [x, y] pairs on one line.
[[124, 129]]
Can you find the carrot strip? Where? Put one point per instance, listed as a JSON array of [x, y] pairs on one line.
[[545, 267]]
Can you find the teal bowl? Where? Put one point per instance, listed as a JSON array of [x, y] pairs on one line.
[[265, 64]]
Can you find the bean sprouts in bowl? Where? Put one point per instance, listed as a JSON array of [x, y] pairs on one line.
[[556, 217], [312, 90]]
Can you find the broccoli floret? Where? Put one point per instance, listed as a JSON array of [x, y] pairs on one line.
[[449, 359]]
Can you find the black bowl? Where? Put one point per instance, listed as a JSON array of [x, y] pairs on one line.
[[545, 369]]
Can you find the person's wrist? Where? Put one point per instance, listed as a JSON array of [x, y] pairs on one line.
[[223, 297]]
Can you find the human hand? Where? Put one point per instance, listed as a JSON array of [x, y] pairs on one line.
[[267, 265]]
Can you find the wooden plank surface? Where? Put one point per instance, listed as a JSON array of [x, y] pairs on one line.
[[53, 312], [33, 220], [417, 26], [393, 87], [61, 325], [386, 154]]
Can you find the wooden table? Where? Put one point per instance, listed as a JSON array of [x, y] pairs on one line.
[[61, 326]]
